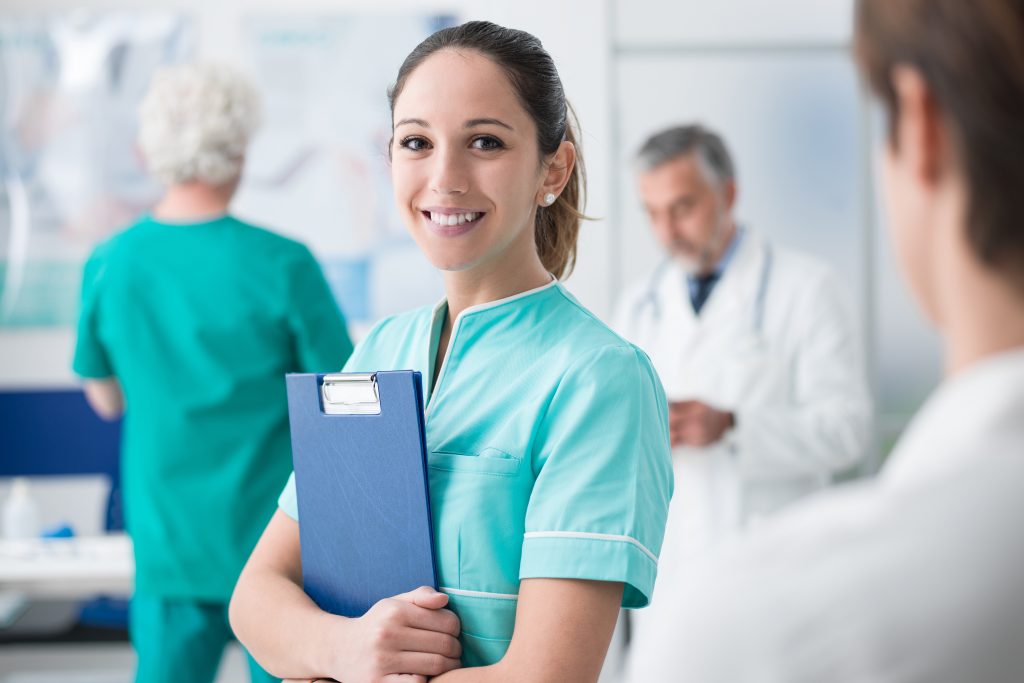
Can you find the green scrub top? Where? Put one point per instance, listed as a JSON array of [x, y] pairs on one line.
[[199, 322], [548, 453]]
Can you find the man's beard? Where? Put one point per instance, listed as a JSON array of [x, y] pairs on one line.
[[701, 263]]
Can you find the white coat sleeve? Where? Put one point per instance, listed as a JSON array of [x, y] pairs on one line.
[[825, 426]]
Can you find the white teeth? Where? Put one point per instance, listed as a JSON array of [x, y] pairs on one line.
[[453, 218]]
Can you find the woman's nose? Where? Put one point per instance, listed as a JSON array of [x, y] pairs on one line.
[[449, 174]]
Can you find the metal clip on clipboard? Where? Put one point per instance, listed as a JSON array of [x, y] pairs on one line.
[[350, 394]]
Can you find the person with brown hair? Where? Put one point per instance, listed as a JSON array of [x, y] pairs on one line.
[[915, 575], [547, 434]]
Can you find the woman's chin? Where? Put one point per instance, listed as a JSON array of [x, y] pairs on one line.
[[451, 261]]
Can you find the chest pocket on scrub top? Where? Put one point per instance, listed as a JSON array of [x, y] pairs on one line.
[[479, 505]]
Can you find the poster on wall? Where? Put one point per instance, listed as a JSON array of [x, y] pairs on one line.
[[69, 174], [318, 170]]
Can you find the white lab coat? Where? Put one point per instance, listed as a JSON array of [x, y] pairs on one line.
[[916, 576], [796, 385]]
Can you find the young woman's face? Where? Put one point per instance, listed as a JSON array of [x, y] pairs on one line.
[[465, 162]]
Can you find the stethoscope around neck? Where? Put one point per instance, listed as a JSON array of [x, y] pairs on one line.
[[650, 297]]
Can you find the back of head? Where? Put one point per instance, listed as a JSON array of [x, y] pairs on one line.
[[706, 145], [971, 54], [196, 122]]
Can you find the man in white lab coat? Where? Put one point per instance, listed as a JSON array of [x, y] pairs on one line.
[[759, 357], [915, 576]]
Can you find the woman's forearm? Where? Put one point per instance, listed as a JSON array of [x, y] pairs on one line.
[[293, 638], [282, 628], [562, 631]]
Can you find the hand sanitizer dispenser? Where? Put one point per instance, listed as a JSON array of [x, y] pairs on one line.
[[20, 514]]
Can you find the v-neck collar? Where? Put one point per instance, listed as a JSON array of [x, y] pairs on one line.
[[437, 316]]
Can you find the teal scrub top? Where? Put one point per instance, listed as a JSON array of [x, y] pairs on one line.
[[548, 453], [199, 322]]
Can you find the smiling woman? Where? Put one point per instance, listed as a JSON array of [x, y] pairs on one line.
[[480, 158], [548, 500]]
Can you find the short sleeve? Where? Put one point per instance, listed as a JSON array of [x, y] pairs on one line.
[[91, 359], [322, 343], [600, 501], [287, 501]]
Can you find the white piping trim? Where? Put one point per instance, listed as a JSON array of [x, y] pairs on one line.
[[458, 321], [501, 302], [594, 537], [479, 594]]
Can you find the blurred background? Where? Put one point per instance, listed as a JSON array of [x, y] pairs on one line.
[[775, 78]]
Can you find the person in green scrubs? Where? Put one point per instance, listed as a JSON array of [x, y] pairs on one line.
[[189, 320], [547, 433]]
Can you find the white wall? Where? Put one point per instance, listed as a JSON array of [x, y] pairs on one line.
[[630, 66], [575, 31]]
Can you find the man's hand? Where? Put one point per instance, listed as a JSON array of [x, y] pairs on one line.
[[696, 424]]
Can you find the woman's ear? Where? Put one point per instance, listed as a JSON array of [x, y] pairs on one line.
[[558, 172], [920, 134]]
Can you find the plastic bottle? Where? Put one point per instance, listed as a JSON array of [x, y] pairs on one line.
[[21, 515]]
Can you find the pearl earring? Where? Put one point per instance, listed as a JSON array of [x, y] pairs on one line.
[[549, 199]]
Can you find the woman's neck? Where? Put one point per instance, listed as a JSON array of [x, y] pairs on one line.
[[192, 201], [982, 312], [990, 324], [504, 277]]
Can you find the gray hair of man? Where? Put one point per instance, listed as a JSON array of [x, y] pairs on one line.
[[672, 143]]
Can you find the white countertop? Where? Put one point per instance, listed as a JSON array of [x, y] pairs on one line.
[[68, 567]]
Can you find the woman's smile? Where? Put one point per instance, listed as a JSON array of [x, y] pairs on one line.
[[451, 221]]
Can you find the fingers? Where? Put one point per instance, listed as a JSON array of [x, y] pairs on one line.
[[399, 611], [693, 435], [425, 664], [434, 642], [685, 407], [439, 620], [425, 597]]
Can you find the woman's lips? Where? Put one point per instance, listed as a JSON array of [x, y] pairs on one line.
[[450, 222]]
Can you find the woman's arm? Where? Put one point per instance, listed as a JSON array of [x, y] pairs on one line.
[[105, 397], [291, 637], [563, 628]]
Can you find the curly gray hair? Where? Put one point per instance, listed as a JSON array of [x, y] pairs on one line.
[[195, 123]]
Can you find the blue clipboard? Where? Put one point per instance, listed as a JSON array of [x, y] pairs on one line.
[[359, 452]]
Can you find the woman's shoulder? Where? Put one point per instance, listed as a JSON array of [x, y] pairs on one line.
[[393, 341], [269, 242], [403, 324], [586, 333], [590, 345]]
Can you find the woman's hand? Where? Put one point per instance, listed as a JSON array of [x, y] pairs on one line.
[[407, 638]]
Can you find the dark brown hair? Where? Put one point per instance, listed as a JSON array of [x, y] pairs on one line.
[[971, 54], [535, 80]]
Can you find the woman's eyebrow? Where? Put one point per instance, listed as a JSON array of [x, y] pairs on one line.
[[418, 122], [472, 123]]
